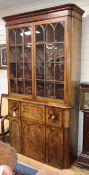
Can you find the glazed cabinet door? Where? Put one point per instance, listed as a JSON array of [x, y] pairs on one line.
[[54, 146], [15, 125], [20, 60], [33, 136], [49, 38]]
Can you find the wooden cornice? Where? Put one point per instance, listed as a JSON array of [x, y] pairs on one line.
[[34, 15]]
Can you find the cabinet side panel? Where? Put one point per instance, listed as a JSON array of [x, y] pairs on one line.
[[75, 60], [70, 136], [74, 119]]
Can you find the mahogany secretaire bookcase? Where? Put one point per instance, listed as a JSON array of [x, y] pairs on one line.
[[43, 50], [83, 159]]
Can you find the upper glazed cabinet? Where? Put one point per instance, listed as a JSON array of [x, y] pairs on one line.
[[41, 53], [44, 59], [43, 50]]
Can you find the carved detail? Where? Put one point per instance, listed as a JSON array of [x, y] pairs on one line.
[[14, 106]]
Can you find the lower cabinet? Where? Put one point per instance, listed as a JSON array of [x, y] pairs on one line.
[[42, 132], [36, 131]]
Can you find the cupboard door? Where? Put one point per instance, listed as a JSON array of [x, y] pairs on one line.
[[50, 60], [20, 64], [33, 136], [15, 125], [54, 146], [15, 133]]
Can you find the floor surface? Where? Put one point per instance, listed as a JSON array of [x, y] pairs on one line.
[[74, 170]]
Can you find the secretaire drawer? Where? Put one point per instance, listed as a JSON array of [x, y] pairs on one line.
[[33, 112], [54, 116]]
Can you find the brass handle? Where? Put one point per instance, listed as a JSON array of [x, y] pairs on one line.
[[53, 117], [14, 111], [14, 108]]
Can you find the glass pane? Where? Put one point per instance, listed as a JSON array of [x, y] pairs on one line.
[[40, 61], [59, 62], [59, 91], [27, 37], [50, 71], [59, 51], [40, 52], [19, 35], [12, 37], [20, 85], [13, 85], [59, 71], [12, 70], [27, 70], [39, 70], [49, 33], [12, 54], [50, 90], [27, 54], [20, 70], [40, 88], [49, 52], [28, 87], [59, 32], [19, 53], [39, 34]]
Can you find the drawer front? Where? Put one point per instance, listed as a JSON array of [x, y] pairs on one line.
[[54, 116], [33, 112], [14, 108]]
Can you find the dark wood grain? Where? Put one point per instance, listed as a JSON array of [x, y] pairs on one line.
[[45, 127]]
